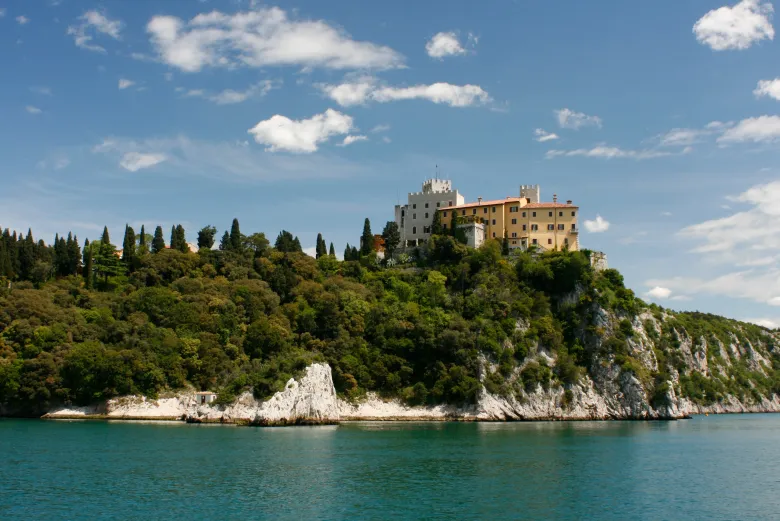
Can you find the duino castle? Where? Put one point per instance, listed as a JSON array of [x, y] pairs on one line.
[[525, 220]]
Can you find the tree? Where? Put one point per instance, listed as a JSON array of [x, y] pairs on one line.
[[105, 239], [106, 262], [179, 239], [321, 249], [392, 237], [285, 242], [458, 232], [236, 238], [348, 253], [74, 255], [143, 242], [174, 242], [224, 244], [367, 239], [87, 264], [436, 226], [206, 237], [158, 243], [128, 248], [256, 243], [505, 244], [332, 251]]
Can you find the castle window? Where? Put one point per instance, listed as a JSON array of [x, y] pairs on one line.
[[513, 209], [561, 227], [438, 205], [560, 214], [514, 221], [533, 214], [573, 226], [550, 227], [450, 204], [426, 229], [549, 241], [514, 234], [402, 213], [550, 214], [534, 227], [445, 214], [414, 206], [523, 214], [414, 229], [514, 242], [494, 235], [535, 242], [464, 212], [426, 215], [414, 216], [426, 205], [494, 222], [494, 209], [524, 227], [574, 214], [485, 210], [474, 211]]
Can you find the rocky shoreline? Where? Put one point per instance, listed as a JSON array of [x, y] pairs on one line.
[[313, 401]]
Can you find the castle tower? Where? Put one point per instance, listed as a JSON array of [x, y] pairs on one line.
[[531, 192]]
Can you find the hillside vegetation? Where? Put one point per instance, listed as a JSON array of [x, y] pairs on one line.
[[79, 326]]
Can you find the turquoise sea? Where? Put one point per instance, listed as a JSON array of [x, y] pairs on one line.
[[708, 468]]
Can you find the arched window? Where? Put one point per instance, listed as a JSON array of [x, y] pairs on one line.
[[414, 229]]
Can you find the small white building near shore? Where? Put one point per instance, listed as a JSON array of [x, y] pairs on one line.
[[205, 397]]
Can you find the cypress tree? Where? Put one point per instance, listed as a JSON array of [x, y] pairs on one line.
[[26, 248], [181, 239], [105, 239], [436, 227], [5, 259], [224, 244], [87, 264], [332, 251], [392, 237], [174, 242], [158, 243], [128, 248], [142, 246], [347, 253], [367, 239], [321, 249], [60, 256], [235, 236], [355, 253], [74, 255], [505, 245]]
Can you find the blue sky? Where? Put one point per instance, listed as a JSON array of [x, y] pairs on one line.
[[658, 118]]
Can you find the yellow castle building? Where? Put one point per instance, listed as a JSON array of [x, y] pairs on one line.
[[525, 221]]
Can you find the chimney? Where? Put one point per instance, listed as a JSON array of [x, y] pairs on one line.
[[479, 200], [568, 202], [555, 198]]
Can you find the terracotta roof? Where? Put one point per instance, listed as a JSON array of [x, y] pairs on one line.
[[550, 205], [484, 203]]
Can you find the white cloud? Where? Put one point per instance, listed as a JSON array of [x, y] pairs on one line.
[[444, 44], [302, 136], [33, 110], [769, 323], [22, 20], [262, 37], [230, 96], [681, 137], [762, 129], [310, 251], [659, 293], [366, 89], [134, 161], [46, 91], [769, 88], [599, 225], [666, 214], [94, 22], [386, 139], [2, 12], [380, 128], [352, 139], [543, 136], [608, 152], [575, 120], [736, 27], [125, 83]]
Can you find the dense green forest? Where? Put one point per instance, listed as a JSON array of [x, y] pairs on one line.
[[82, 324]]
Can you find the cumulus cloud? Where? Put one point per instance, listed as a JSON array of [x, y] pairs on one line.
[[380, 128], [32, 110], [444, 44], [543, 136], [736, 27], [125, 83], [230, 96], [134, 161], [681, 137], [769, 88], [762, 129], [607, 152], [90, 24], [262, 37], [352, 139], [365, 89], [598, 225], [769, 323], [575, 120], [22, 20], [280, 133], [659, 293]]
